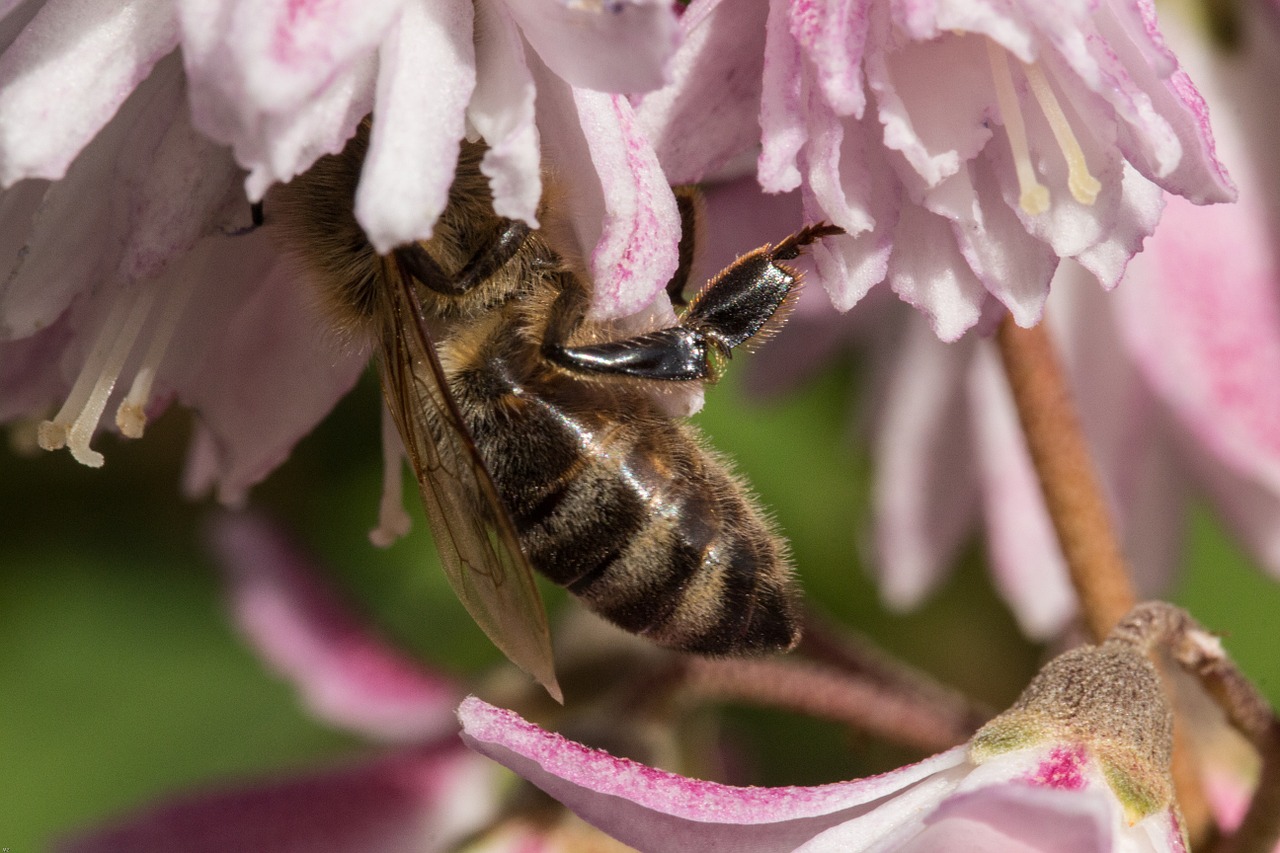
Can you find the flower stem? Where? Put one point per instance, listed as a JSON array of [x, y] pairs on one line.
[[1079, 511], [1072, 492], [820, 691]]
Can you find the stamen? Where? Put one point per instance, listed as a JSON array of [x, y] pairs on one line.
[[393, 521], [1034, 196], [131, 417], [1083, 185], [73, 425]]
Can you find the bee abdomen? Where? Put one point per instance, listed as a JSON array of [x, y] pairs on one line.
[[655, 535]]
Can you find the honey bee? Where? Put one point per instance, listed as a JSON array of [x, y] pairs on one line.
[[534, 432]]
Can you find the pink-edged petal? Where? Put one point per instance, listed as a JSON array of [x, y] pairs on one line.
[[1201, 313], [708, 115], [1131, 27], [849, 183], [653, 810], [68, 73], [1026, 560], [251, 60], [833, 36], [425, 800], [413, 149], [346, 675], [622, 212], [936, 102], [271, 375], [502, 111], [44, 276], [928, 271], [924, 491], [782, 103], [621, 46]]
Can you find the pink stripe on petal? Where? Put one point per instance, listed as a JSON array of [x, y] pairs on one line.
[[833, 34], [68, 73], [346, 675], [653, 810], [636, 256], [426, 73]]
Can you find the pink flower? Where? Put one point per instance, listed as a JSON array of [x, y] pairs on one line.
[[124, 130], [1172, 376], [888, 117], [1079, 764]]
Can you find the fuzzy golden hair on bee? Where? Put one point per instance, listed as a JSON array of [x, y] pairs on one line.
[[534, 431]]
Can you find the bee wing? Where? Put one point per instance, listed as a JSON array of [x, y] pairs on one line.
[[477, 541]]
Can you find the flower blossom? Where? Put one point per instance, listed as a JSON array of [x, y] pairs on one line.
[[421, 790], [133, 135], [965, 148], [1171, 376], [1079, 763]]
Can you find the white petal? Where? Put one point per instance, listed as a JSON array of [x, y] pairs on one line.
[[620, 46], [502, 111], [426, 74], [45, 275], [248, 60], [708, 115], [287, 144], [68, 73], [782, 123], [927, 271]]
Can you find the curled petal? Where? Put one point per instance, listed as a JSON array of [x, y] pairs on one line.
[[618, 46], [68, 73], [928, 271], [346, 675], [657, 811], [426, 73], [782, 119]]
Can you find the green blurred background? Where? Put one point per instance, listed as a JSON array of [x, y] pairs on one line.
[[121, 679]]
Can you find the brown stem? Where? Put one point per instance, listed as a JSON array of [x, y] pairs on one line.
[[820, 691], [828, 642], [1079, 511], [1072, 492]]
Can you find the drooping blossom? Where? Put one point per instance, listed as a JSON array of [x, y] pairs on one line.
[[965, 148], [1171, 376], [416, 787], [127, 129], [1079, 763]]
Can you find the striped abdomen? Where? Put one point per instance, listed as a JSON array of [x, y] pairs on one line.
[[625, 508]]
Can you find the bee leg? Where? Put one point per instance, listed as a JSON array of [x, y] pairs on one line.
[[689, 204], [483, 264], [734, 307]]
